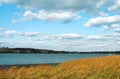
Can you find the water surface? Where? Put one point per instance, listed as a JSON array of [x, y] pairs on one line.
[[12, 59]]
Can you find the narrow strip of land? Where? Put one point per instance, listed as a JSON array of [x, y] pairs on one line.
[[26, 65], [45, 51]]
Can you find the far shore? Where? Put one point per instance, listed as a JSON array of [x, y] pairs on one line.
[[45, 51]]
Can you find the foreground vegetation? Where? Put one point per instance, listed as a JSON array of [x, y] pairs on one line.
[[90, 68]]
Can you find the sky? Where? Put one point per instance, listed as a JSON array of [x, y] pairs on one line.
[[74, 25]]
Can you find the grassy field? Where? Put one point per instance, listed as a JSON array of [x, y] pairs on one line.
[[90, 68]]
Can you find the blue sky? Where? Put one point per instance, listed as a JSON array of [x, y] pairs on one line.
[[74, 25]]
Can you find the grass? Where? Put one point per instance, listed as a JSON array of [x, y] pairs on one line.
[[90, 68]]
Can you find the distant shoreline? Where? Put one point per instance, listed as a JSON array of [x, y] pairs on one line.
[[45, 51]]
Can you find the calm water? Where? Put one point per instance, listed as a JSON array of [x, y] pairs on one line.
[[11, 59]]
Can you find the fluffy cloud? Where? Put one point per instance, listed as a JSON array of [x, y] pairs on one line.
[[69, 36], [106, 27], [103, 21], [102, 38], [52, 10], [112, 26], [75, 5], [46, 16], [112, 37], [11, 32], [31, 34], [70, 41], [24, 34], [115, 6], [117, 30]]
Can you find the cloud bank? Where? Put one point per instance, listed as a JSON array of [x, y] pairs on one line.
[[54, 10], [68, 42]]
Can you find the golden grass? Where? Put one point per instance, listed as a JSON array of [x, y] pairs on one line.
[[89, 68]]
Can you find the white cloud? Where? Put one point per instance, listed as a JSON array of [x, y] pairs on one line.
[[69, 36], [75, 5], [115, 6], [52, 10], [32, 34], [46, 16], [117, 30], [24, 34], [103, 21], [10, 32], [101, 3], [70, 41], [106, 27], [112, 36], [111, 26], [99, 37], [114, 25]]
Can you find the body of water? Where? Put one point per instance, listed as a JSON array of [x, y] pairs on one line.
[[12, 59]]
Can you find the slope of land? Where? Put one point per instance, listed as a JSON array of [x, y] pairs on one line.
[[90, 68], [45, 51]]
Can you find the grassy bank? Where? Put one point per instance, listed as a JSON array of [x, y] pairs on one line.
[[90, 68]]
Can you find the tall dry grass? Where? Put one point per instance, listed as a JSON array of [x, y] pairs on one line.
[[89, 68]]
